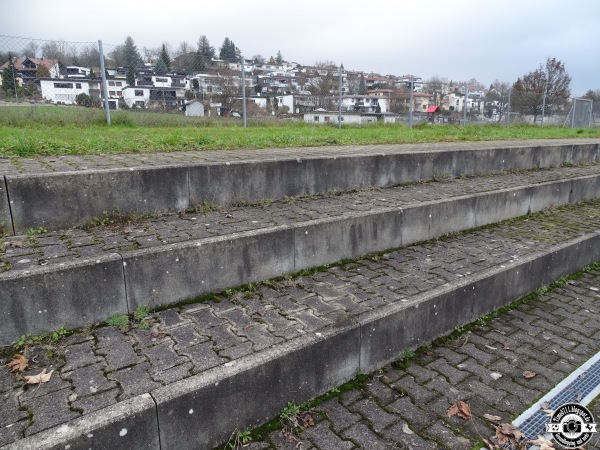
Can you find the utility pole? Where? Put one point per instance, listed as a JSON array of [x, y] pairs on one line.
[[104, 83], [243, 90]]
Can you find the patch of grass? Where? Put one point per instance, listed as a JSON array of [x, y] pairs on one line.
[[109, 218], [27, 131], [120, 321], [29, 340]]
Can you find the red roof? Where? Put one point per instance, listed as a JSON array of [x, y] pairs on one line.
[[433, 109]]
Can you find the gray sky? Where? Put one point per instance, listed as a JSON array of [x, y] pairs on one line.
[[458, 39]]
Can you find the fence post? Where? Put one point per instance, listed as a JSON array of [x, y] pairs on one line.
[[465, 105], [340, 99], [243, 90], [410, 111], [104, 83], [508, 109], [544, 106]]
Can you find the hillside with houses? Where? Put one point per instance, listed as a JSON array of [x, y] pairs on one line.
[[201, 83]]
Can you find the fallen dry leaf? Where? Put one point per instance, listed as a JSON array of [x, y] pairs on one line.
[[460, 409], [542, 442], [508, 434], [18, 364], [17, 244], [548, 412], [490, 347], [492, 418], [528, 374], [305, 420], [41, 377]]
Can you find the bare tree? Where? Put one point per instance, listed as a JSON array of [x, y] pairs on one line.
[[31, 49], [550, 81], [183, 49], [437, 86], [322, 89]]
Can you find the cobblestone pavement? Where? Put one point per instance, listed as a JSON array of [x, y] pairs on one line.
[[68, 163], [404, 406], [28, 251], [102, 366]]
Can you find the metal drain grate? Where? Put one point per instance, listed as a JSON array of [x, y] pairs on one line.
[[582, 386]]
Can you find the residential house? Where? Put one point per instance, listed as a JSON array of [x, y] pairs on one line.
[[64, 91], [328, 117], [154, 97], [26, 68], [365, 103], [77, 72]]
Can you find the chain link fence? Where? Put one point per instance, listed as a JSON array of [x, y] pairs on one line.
[[196, 80]]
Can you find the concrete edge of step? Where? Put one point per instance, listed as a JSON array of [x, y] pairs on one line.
[[203, 410]]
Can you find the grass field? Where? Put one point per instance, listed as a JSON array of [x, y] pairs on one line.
[[29, 131]]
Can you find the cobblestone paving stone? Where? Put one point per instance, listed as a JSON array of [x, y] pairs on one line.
[[68, 163], [101, 366], [26, 252], [404, 405]]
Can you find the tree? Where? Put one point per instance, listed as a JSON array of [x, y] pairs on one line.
[[322, 90], [161, 68], [42, 71], [279, 57], [551, 81], [362, 85], [259, 59], [436, 85], [55, 50], [183, 49], [30, 51], [131, 59], [9, 83], [496, 99], [92, 74], [228, 51], [164, 57], [117, 56], [84, 99], [206, 52]]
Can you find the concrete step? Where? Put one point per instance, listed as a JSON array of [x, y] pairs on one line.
[[65, 191], [203, 370], [156, 262]]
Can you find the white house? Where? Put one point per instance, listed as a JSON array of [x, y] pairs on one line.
[[77, 72], [194, 108], [365, 103], [153, 97], [65, 91], [328, 117]]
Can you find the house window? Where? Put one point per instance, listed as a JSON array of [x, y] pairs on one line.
[[111, 93], [63, 85], [118, 83], [77, 85], [327, 118], [162, 80], [111, 83], [139, 93], [316, 118]]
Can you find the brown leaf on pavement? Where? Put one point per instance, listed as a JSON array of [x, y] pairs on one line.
[[508, 434], [492, 418], [460, 409], [18, 364], [542, 442], [41, 377], [528, 374]]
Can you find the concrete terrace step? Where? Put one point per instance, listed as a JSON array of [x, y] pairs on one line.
[[156, 262], [60, 192], [206, 369]]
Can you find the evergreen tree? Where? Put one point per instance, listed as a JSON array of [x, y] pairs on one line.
[[92, 75], [165, 58], [362, 86], [131, 59], [42, 71], [160, 68], [130, 77], [206, 52], [9, 83], [228, 52], [279, 58]]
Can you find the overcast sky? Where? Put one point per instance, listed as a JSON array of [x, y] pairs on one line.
[[460, 39]]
